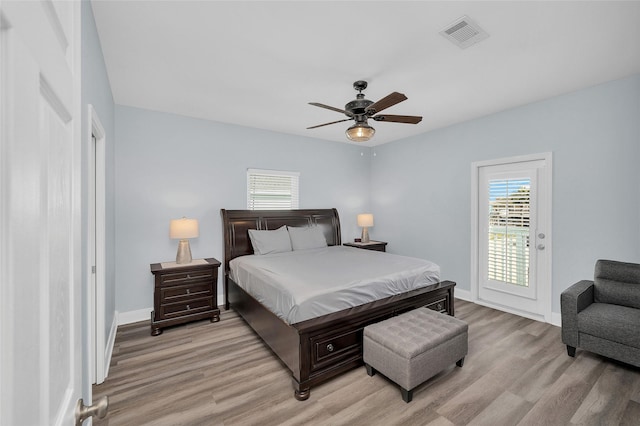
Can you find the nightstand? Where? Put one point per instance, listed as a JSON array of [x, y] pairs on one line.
[[184, 293], [371, 245]]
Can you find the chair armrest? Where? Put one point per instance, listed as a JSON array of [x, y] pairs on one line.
[[577, 297], [572, 301]]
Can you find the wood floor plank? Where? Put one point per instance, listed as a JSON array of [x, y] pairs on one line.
[[542, 374], [472, 400], [440, 421], [587, 366], [631, 415], [608, 398], [517, 372], [557, 405], [506, 409], [359, 386]]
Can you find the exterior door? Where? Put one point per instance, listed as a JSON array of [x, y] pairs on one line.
[[40, 214], [513, 236]]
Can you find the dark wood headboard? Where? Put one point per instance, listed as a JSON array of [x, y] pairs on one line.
[[236, 225]]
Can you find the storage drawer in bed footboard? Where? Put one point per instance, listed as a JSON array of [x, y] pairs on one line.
[[335, 346], [440, 305]]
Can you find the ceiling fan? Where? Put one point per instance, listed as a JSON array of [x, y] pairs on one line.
[[362, 109]]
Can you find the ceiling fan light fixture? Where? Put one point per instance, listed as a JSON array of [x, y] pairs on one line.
[[362, 109], [360, 132]]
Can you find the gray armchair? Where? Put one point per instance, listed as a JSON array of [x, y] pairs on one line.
[[603, 315]]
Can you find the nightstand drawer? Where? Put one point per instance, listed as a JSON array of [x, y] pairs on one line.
[[178, 293], [178, 278], [188, 307]]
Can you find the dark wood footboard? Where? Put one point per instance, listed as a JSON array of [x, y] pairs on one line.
[[318, 349]]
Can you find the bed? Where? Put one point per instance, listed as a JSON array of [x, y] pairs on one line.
[[322, 347]]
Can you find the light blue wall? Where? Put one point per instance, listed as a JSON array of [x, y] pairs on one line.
[[96, 91], [169, 166], [419, 189], [421, 186]]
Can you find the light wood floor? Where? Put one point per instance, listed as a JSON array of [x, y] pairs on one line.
[[517, 373]]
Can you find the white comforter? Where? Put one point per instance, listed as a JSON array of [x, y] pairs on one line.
[[305, 284]]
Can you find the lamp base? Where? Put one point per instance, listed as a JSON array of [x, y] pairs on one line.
[[184, 252], [365, 235]]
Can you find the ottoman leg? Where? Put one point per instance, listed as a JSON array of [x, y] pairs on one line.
[[370, 370], [407, 395], [460, 362]]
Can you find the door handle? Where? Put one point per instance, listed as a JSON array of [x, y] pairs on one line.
[[98, 408]]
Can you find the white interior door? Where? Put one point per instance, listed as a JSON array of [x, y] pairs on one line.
[[40, 249], [513, 235]]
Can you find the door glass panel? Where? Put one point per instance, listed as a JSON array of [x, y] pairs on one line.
[[508, 231]]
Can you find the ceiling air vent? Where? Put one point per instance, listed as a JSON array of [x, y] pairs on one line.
[[464, 32]]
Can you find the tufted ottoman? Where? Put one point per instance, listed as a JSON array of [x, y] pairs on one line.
[[414, 346]]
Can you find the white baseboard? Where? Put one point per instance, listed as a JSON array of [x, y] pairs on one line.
[[465, 295], [134, 316], [509, 310], [462, 294]]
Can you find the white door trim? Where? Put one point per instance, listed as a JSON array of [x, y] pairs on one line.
[[96, 213], [546, 290]]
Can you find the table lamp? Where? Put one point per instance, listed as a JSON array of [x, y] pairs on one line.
[[183, 229], [365, 220]]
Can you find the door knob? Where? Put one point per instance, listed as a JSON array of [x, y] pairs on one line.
[[98, 408], [540, 247]]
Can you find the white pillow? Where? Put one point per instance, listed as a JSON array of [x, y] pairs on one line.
[[265, 242], [307, 238]]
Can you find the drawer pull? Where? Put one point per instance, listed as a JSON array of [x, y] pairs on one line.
[[188, 276], [439, 306], [188, 307], [188, 291], [330, 347]]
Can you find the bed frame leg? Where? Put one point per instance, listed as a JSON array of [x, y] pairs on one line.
[[300, 392], [302, 395]]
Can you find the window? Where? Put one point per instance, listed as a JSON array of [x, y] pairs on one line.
[[272, 190], [508, 238]]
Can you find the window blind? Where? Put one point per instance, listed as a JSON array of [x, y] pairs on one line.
[[508, 251], [272, 190]]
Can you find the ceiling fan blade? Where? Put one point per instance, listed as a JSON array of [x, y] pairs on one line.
[[409, 119], [326, 124], [386, 102], [329, 107]]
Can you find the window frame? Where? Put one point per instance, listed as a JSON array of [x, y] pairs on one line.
[[277, 203]]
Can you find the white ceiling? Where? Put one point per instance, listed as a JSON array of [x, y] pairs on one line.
[[258, 64]]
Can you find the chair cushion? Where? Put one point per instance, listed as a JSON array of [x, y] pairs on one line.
[[617, 283], [617, 323]]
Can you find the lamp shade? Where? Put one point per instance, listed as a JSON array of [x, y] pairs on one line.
[[183, 228], [365, 219], [360, 132]]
